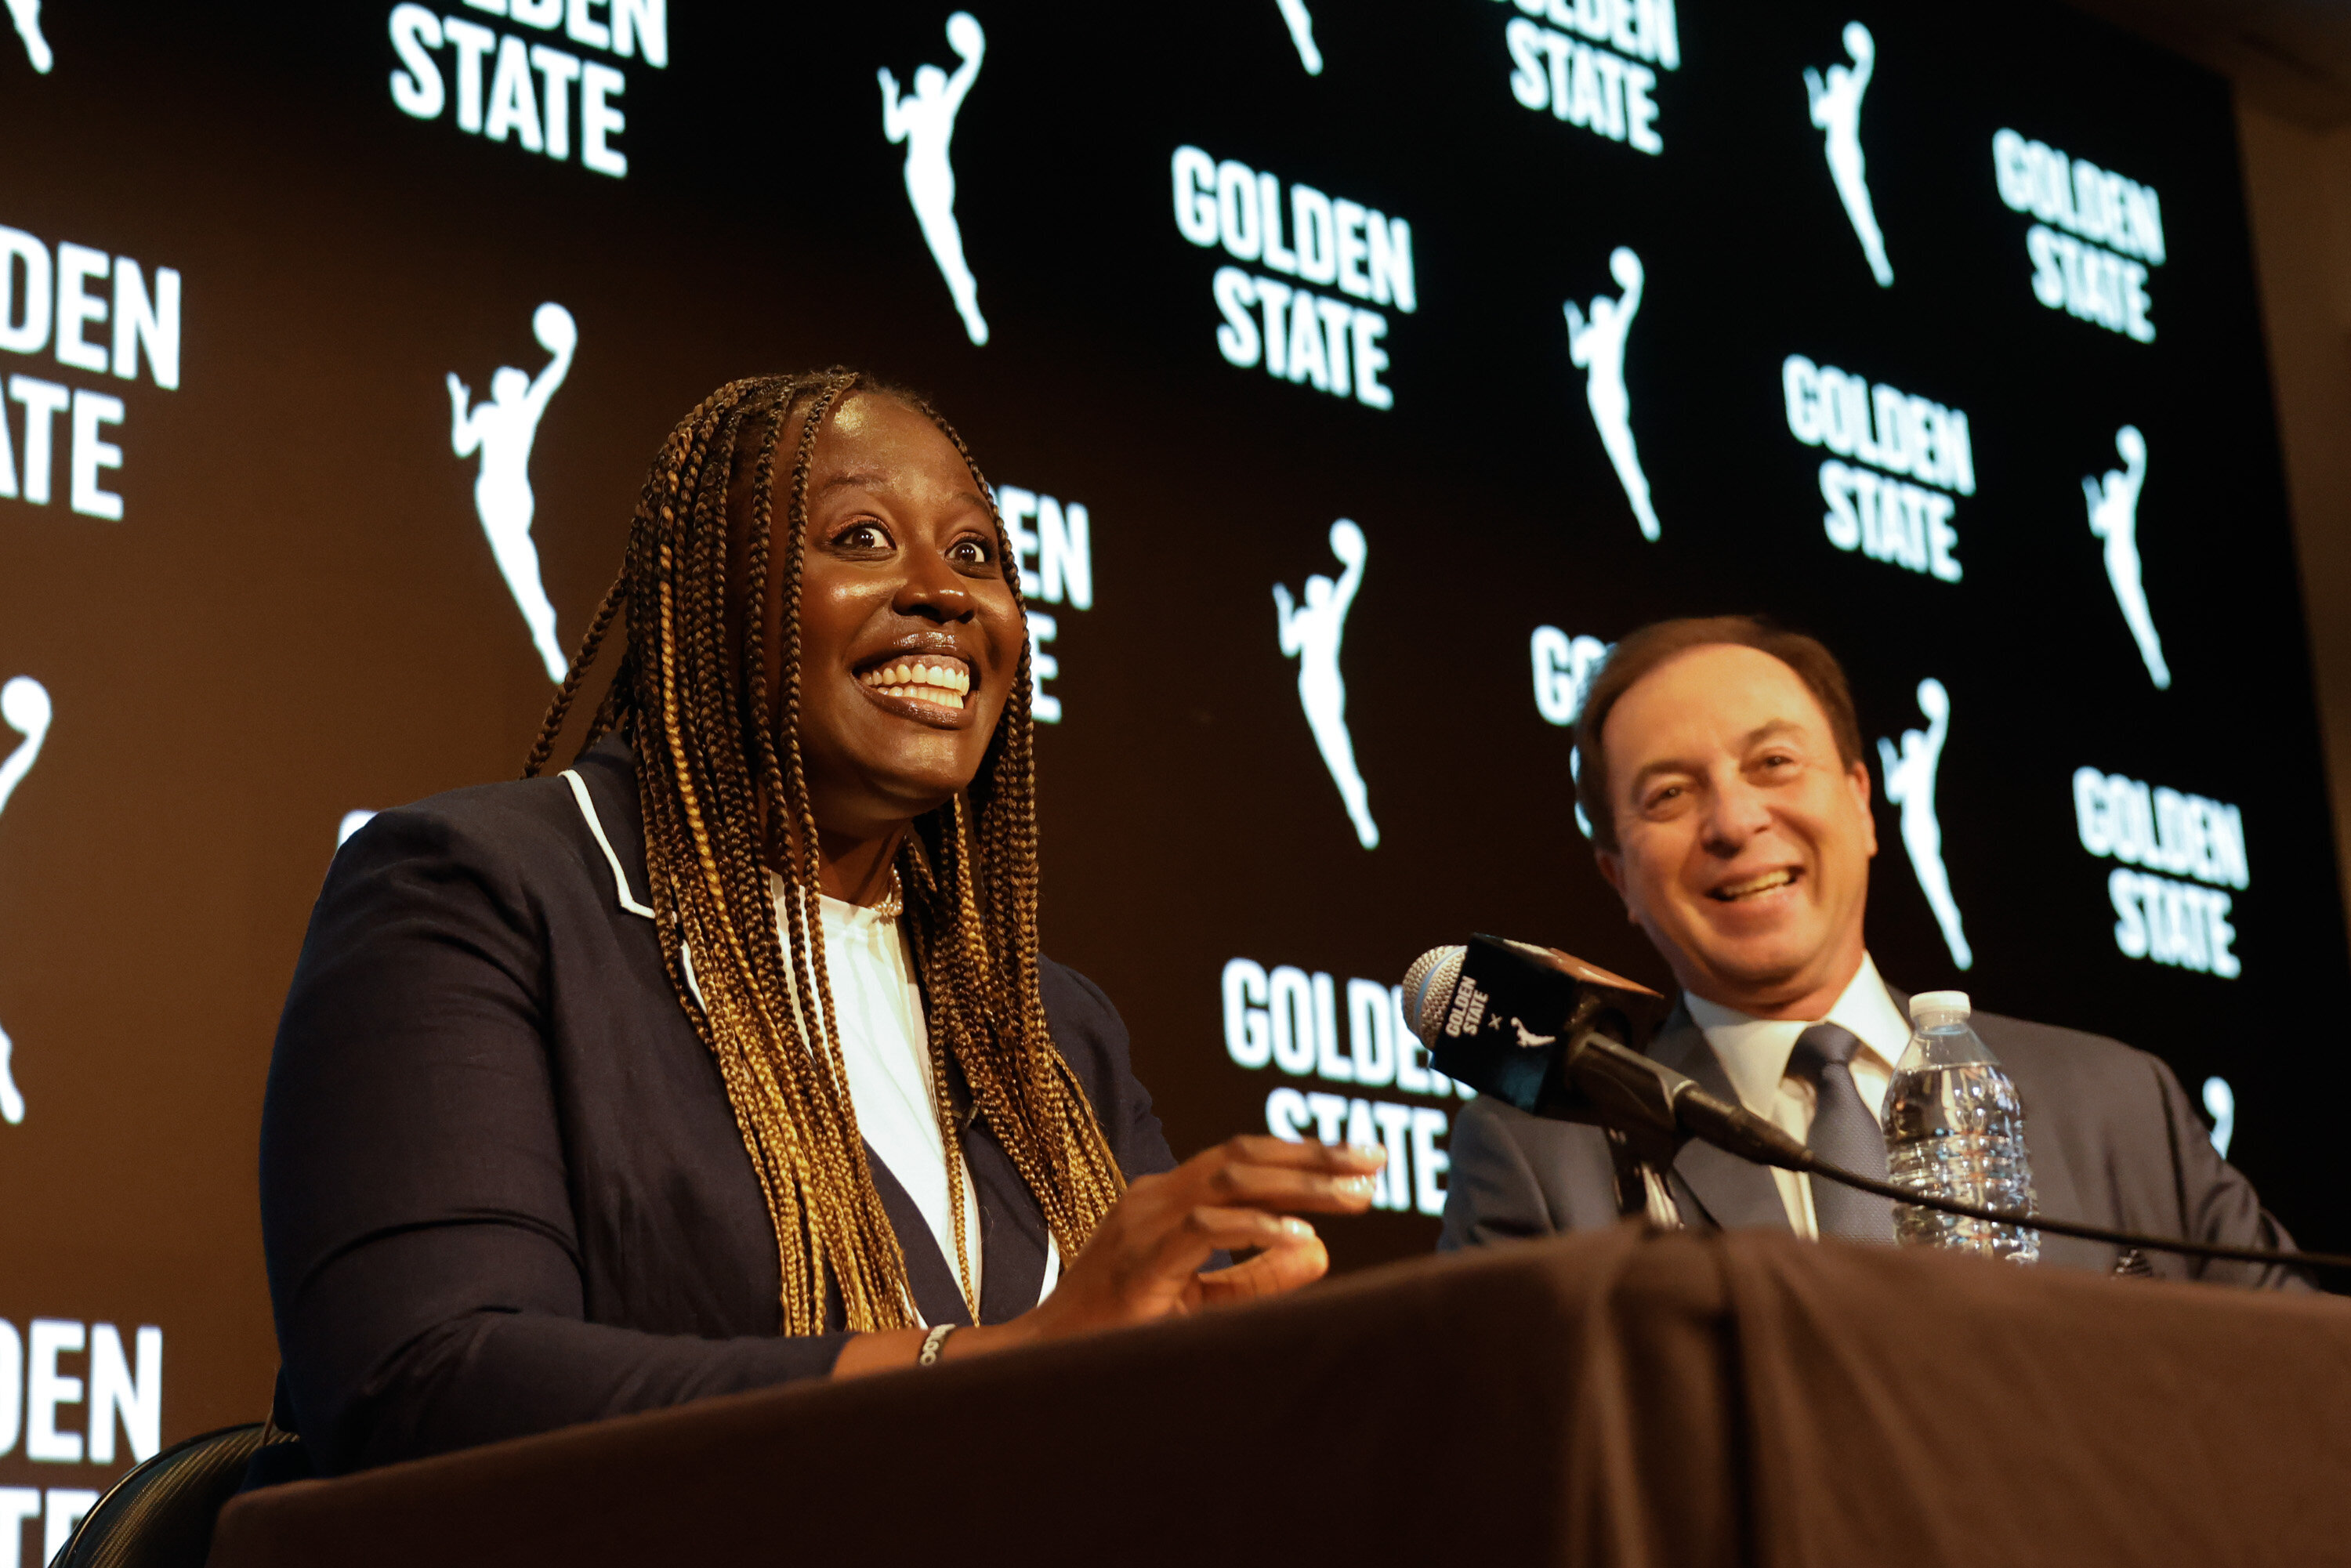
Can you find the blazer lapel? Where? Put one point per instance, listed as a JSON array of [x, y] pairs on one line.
[[1011, 1232], [1731, 1192], [610, 776], [930, 1274]]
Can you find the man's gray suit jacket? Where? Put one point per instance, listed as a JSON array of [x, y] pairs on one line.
[[2111, 1135]]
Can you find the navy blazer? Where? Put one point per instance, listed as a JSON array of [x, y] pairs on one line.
[[501, 1188], [2108, 1130]]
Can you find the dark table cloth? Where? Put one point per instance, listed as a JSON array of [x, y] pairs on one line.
[[1606, 1399]]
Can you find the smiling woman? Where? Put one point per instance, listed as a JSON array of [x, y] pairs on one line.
[[541, 1147]]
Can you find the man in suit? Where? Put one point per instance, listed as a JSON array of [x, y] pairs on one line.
[[1729, 809]]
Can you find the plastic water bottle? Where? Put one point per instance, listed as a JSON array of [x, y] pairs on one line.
[[1955, 1129]]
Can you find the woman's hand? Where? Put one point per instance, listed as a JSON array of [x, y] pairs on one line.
[[1143, 1261]]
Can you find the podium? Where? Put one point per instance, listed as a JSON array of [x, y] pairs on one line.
[[1612, 1399]]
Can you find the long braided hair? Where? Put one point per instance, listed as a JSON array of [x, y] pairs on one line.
[[720, 783]]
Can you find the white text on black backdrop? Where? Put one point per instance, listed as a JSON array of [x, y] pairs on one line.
[[52, 299], [1298, 335], [1056, 561], [2172, 922], [121, 1387], [1904, 437], [1585, 66], [2097, 270], [537, 113], [1289, 1019]]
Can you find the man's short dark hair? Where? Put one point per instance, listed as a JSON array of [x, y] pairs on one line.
[[1654, 644]]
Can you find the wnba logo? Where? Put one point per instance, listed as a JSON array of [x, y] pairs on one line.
[[1595, 345], [925, 119], [1312, 630], [26, 15], [502, 428], [1909, 772], [24, 704], [1836, 113]]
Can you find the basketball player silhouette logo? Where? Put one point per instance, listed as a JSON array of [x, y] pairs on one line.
[[1312, 633], [1836, 110], [2220, 1104], [24, 704], [26, 15], [1596, 346], [925, 120], [1584, 657], [502, 428], [1910, 785], [1302, 33], [2114, 517]]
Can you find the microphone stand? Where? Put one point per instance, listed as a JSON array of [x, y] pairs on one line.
[[1636, 1111], [1641, 1190]]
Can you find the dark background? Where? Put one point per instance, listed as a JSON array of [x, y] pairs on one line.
[[299, 615]]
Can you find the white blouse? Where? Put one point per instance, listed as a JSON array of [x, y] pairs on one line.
[[885, 1051], [885, 1048]]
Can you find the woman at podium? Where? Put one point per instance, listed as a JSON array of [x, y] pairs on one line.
[[727, 1055]]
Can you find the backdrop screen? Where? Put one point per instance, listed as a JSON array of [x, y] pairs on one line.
[[1351, 377]]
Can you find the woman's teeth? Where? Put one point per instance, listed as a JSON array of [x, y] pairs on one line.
[[1764, 883], [943, 685]]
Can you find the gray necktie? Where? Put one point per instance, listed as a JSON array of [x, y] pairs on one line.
[[1843, 1134]]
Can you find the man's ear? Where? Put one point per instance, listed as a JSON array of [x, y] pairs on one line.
[[1612, 868], [1857, 778]]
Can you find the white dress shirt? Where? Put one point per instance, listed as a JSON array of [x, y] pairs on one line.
[[885, 1051], [1754, 1054]]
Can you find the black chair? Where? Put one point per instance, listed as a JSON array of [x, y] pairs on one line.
[[161, 1514]]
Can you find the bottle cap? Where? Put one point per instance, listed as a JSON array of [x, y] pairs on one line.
[[1944, 1002]]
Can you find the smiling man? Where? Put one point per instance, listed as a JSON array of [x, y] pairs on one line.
[[1731, 810]]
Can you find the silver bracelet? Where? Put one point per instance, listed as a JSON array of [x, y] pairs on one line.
[[932, 1342]]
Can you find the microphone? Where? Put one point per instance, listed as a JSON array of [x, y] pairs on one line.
[[1556, 1036]]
